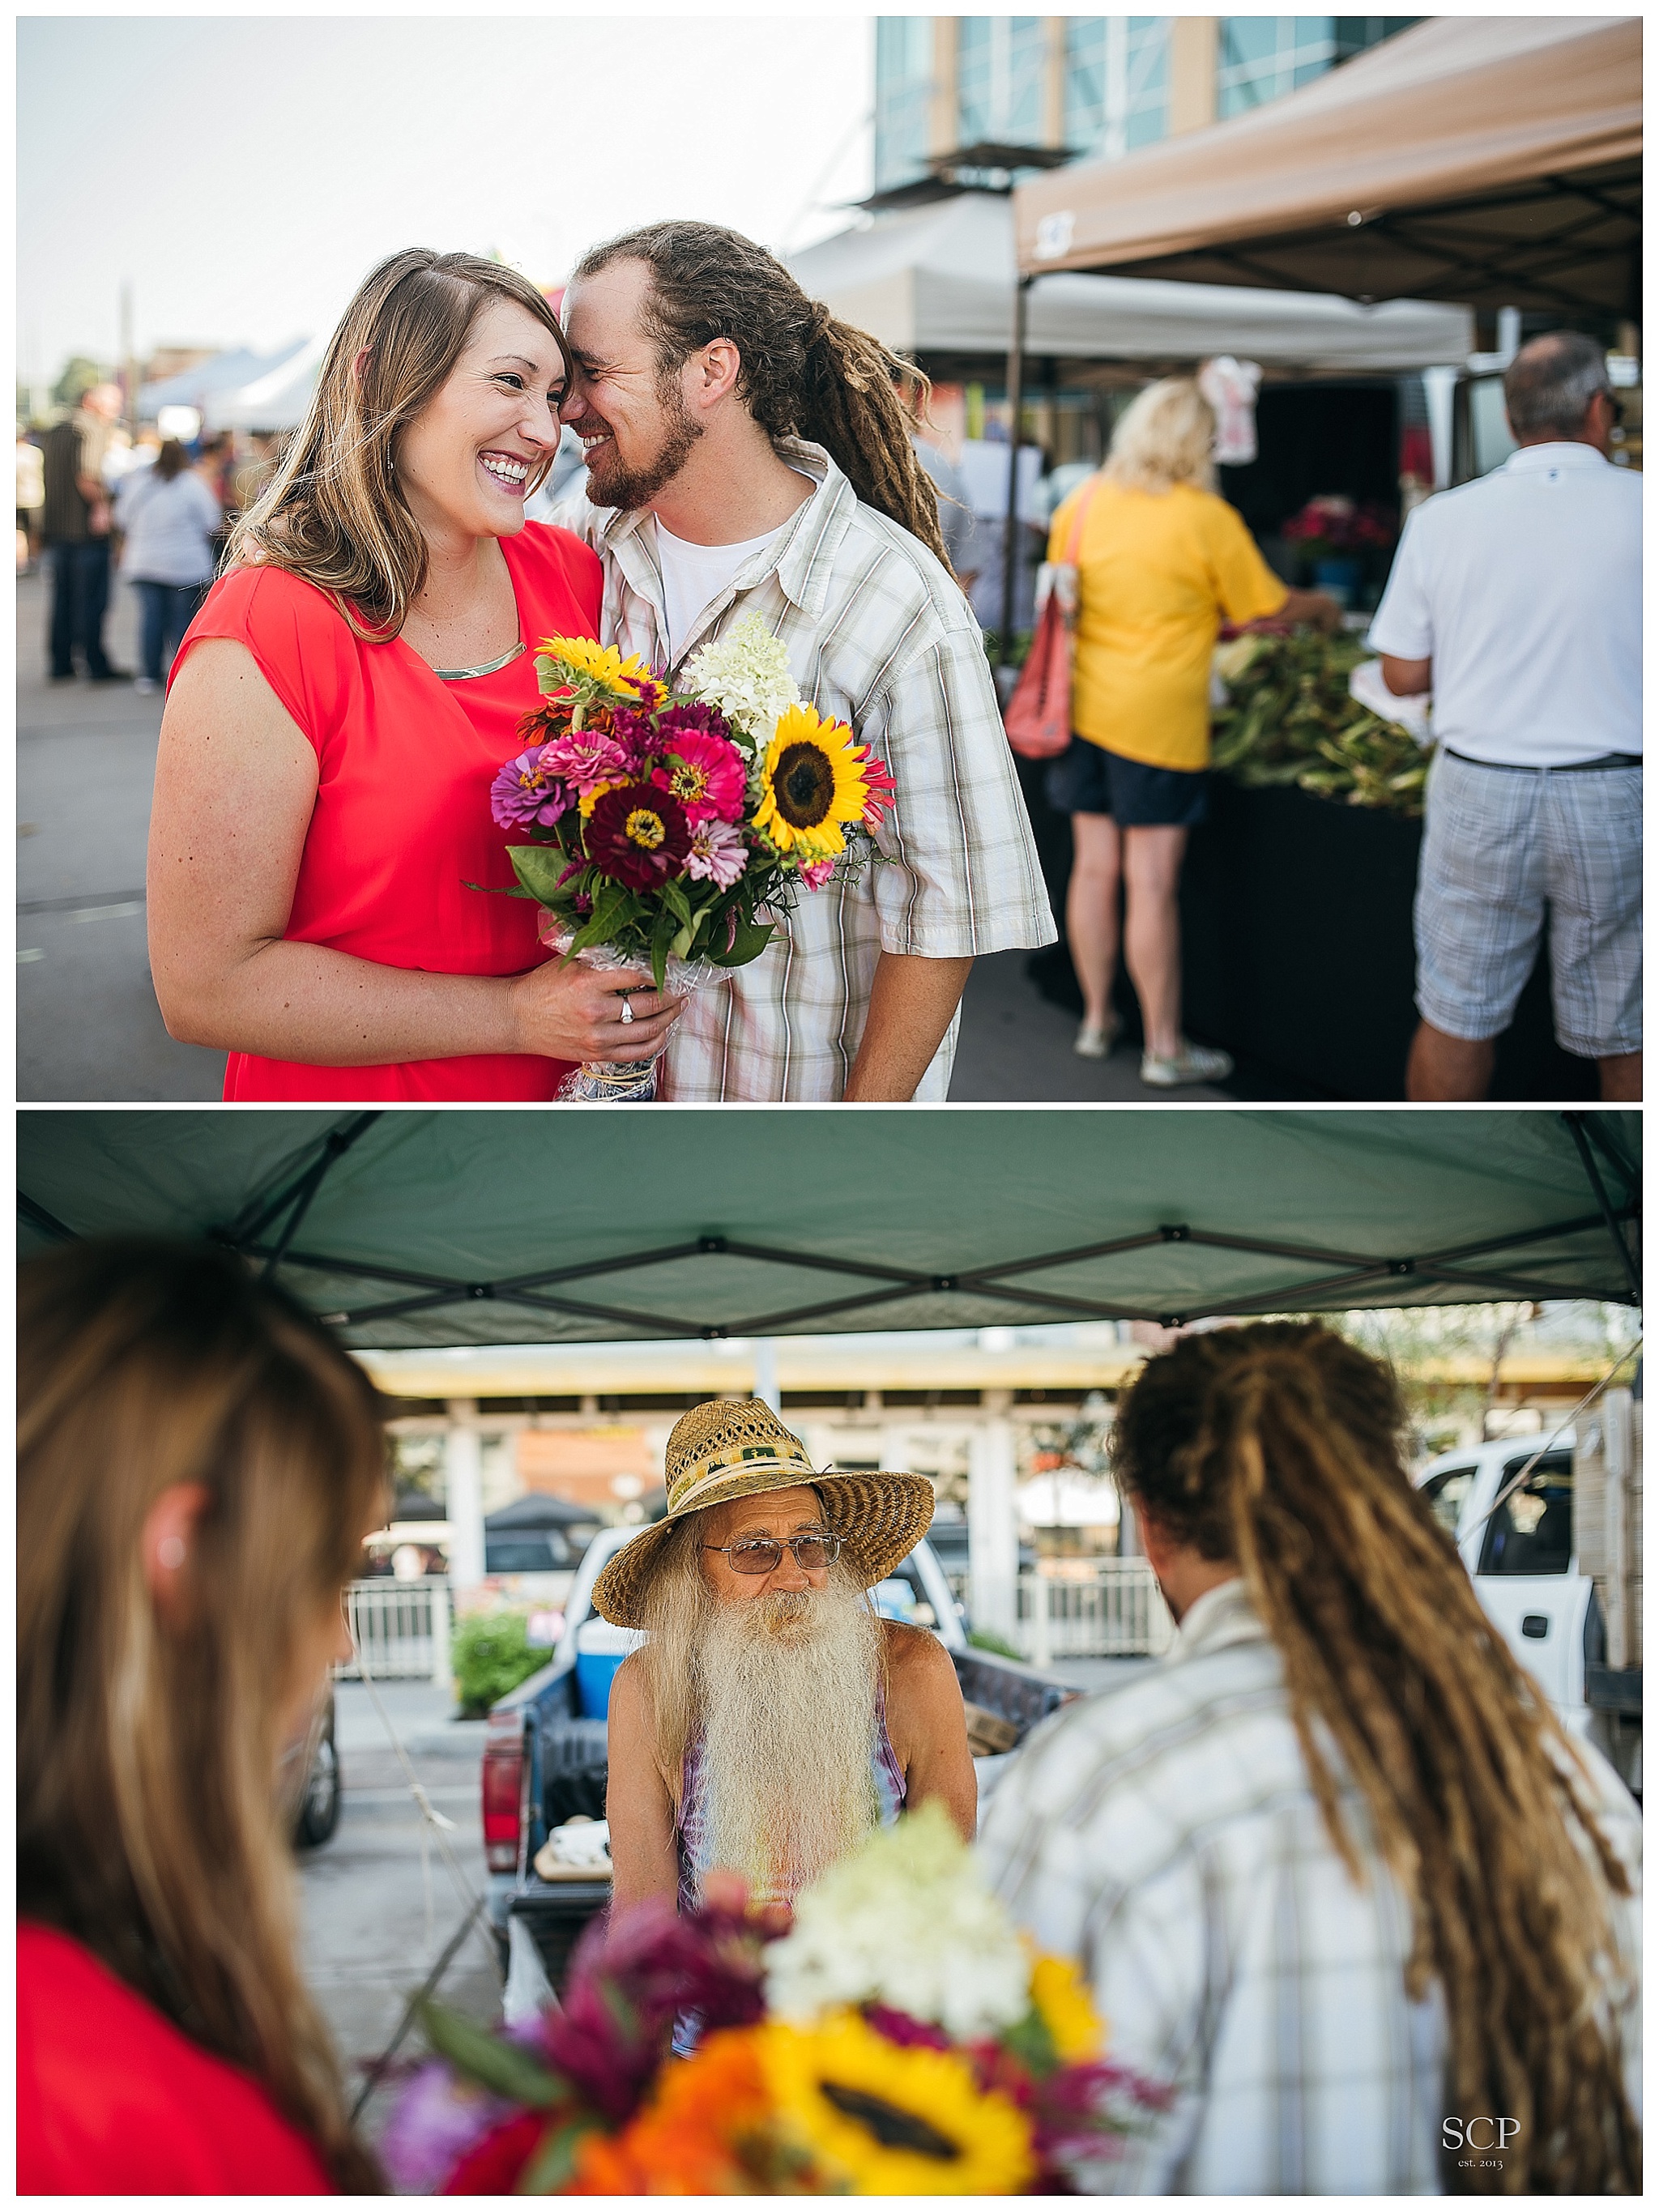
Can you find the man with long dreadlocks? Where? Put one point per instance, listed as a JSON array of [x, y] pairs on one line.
[[1335, 1871], [749, 454]]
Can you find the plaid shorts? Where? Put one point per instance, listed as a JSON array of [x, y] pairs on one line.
[[1498, 845]]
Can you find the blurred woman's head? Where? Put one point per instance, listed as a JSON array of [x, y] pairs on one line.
[[436, 414], [198, 1463], [171, 461], [1166, 435], [1277, 1449]]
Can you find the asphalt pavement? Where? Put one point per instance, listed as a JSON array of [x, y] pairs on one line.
[[87, 1023], [376, 1909]]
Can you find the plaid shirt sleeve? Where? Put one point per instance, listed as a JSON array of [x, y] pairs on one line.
[[962, 876]]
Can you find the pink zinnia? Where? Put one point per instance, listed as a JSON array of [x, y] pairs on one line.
[[879, 783], [717, 853], [585, 758], [816, 873], [704, 773]]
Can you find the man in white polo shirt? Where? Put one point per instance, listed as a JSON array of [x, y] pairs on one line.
[[1517, 600]]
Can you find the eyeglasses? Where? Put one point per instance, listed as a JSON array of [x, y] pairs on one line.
[[759, 1555]]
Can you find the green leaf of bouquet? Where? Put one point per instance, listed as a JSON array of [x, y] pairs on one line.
[[503, 891], [661, 938], [539, 868], [1030, 2041], [674, 896], [750, 941], [504, 2067], [554, 2160]]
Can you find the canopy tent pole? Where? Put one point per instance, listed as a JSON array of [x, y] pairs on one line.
[[1011, 525], [1632, 1275]]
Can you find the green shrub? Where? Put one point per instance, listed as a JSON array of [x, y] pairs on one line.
[[489, 1655], [987, 1639]]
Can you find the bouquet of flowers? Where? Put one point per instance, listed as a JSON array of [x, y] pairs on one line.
[[663, 828], [901, 2039], [1331, 525]]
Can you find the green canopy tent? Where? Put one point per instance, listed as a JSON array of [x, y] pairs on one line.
[[415, 1228]]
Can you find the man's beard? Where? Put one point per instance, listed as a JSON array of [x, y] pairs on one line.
[[787, 1690], [614, 483]]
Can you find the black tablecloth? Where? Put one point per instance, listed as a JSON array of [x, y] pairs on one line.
[[1297, 951]]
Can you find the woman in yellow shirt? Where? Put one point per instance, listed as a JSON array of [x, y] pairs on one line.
[[1162, 561]]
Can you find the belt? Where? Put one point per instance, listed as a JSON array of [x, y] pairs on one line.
[[1565, 768]]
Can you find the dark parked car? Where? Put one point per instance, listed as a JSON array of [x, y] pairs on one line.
[[316, 1813], [538, 1536]]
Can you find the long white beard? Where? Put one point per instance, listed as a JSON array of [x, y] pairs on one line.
[[787, 1687]]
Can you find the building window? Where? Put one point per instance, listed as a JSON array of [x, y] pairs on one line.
[[1000, 80], [1262, 58], [1117, 82], [904, 88]]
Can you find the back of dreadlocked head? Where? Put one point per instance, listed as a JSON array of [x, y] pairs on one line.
[[1277, 1448], [804, 373]]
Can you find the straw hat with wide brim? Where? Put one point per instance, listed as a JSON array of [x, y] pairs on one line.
[[725, 1450]]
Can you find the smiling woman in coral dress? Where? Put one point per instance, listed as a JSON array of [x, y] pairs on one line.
[[341, 706]]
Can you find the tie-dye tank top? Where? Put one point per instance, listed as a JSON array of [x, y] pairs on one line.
[[691, 1828]]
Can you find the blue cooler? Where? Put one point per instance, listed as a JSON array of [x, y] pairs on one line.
[[601, 1647]]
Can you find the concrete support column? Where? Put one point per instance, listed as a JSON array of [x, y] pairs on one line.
[[464, 1492], [993, 1523], [1195, 56], [766, 1373]]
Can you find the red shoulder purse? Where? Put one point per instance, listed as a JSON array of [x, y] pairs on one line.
[[1038, 718]]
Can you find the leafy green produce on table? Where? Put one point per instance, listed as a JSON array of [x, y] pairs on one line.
[[1290, 718]]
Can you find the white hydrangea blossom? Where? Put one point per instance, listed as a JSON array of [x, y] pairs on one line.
[[746, 675], [907, 1921]]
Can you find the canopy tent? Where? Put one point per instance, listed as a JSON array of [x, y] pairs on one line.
[[1494, 159], [941, 279], [464, 1228], [222, 373], [275, 401]]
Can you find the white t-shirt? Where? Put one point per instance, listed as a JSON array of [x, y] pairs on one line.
[[695, 576], [1525, 590]]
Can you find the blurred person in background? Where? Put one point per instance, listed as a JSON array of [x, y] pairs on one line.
[[31, 499], [75, 523], [199, 1464], [215, 464], [1163, 561], [342, 706], [1331, 1867], [1516, 600], [168, 517]]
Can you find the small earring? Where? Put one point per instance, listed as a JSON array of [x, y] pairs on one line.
[[170, 1551]]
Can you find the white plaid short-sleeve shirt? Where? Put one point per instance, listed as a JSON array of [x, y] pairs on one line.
[[1166, 1836], [879, 636]]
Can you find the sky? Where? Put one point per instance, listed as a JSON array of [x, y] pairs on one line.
[[243, 172]]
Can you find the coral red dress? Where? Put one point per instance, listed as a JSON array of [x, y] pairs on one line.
[[114, 2100], [401, 822]]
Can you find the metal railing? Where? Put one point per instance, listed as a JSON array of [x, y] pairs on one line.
[[1115, 1611], [401, 1629]]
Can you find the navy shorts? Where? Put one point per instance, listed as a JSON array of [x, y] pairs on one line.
[[1088, 780]]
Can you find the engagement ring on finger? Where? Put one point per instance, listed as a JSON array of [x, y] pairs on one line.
[[627, 1011]]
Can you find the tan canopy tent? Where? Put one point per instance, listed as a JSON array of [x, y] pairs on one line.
[[1491, 160]]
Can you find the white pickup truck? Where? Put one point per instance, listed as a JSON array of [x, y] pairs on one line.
[[1536, 1576]]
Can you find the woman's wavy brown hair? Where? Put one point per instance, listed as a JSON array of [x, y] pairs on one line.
[[333, 511], [804, 374], [149, 1826], [1277, 1448]]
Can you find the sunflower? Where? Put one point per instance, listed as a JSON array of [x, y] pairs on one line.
[[1061, 1998], [812, 783], [894, 2122], [601, 665]]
